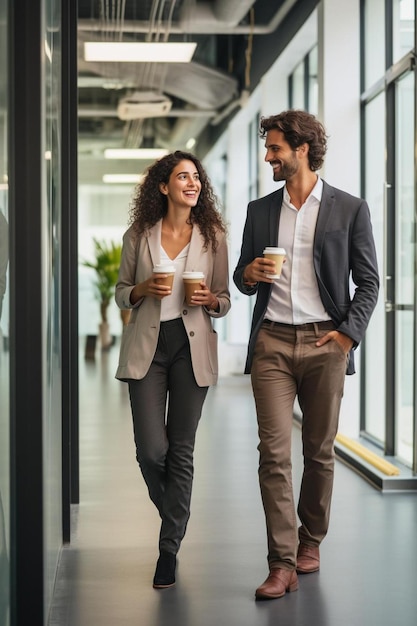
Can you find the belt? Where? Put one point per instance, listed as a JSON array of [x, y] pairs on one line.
[[327, 325]]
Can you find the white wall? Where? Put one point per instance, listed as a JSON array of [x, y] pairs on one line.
[[339, 91], [339, 109]]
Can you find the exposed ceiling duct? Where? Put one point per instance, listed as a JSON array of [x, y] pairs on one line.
[[199, 19], [188, 98]]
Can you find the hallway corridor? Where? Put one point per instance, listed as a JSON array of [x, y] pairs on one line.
[[368, 573]]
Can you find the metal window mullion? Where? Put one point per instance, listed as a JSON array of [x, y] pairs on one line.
[[414, 436], [390, 314]]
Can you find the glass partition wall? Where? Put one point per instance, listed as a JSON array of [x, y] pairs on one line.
[[40, 207], [52, 237], [4, 333]]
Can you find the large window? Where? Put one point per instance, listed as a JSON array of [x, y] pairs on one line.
[[404, 267], [388, 100], [374, 38], [403, 20], [375, 195], [303, 84]]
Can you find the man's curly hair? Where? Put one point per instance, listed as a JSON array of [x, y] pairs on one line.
[[149, 204], [299, 127]]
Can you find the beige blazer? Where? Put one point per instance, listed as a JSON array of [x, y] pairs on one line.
[[140, 335]]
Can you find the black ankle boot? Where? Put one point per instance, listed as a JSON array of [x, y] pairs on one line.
[[165, 571]]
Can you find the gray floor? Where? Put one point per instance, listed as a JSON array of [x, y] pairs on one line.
[[368, 575]]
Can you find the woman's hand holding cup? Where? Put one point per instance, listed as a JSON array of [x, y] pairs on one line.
[[160, 283]]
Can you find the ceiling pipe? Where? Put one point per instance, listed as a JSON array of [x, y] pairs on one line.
[[224, 13], [238, 103], [183, 131], [86, 111], [199, 27]]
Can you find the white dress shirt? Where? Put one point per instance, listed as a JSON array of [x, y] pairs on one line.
[[295, 297]]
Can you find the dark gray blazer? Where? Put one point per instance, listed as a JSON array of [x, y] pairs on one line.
[[343, 247]]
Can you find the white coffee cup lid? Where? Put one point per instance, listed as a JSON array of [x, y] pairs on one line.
[[188, 274], [164, 268], [273, 250]]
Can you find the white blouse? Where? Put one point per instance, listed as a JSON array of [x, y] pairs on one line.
[[171, 306]]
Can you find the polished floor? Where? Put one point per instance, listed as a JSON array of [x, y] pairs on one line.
[[368, 574]]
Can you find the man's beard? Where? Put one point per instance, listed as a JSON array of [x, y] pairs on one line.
[[286, 170]]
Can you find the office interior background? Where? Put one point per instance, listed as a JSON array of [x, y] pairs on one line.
[[350, 63]]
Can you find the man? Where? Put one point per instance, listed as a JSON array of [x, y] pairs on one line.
[[305, 327]]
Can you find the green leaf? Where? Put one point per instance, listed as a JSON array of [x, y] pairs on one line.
[[106, 266]]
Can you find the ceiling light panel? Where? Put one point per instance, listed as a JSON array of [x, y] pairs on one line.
[[147, 154], [139, 52], [124, 179]]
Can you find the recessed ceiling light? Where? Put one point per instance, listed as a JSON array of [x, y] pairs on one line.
[[139, 52], [136, 153], [124, 179]]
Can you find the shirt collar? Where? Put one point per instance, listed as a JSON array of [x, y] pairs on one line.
[[316, 192]]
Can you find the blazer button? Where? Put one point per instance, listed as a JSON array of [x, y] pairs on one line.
[[192, 333]]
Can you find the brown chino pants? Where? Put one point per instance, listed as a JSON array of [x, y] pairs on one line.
[[286, 364]]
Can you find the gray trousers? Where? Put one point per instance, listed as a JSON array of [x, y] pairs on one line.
[[166, 408], [286, 364]]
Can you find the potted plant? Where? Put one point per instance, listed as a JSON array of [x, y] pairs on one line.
[[106, 266]]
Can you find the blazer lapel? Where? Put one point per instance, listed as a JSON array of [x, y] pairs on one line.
[[154, 242], [195, 250], [325, 210], [274, 215], [326, 207]]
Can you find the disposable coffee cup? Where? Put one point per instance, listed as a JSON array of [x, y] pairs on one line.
[[277, 255], [191, 282], [164, 268]]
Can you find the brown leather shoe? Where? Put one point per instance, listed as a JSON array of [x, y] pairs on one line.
[[308, 559], [278, 582]]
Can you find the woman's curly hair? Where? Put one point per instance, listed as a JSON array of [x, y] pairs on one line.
[[299, 127], [149, 204]]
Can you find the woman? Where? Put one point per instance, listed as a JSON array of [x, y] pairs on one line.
[[168, 354]]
